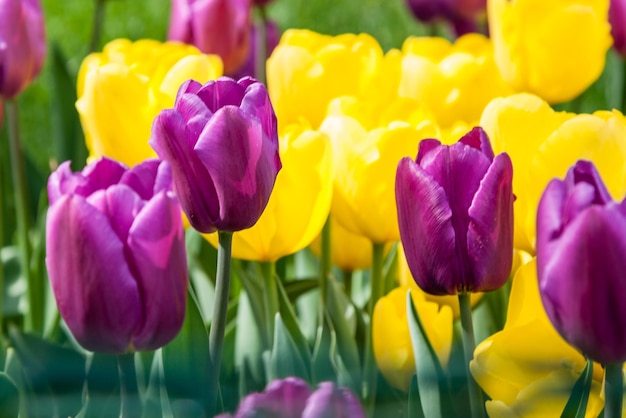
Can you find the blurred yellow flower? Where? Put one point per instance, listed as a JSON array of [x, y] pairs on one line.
[[307, 70], [300, 201], [555, 49], [543, 144], [392, 341], [123, 88], [455, 81], [527, 369]]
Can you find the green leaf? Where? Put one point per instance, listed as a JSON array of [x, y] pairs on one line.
[[248, 347], [298, 287], [576, 405], [322, 367], [14, 286], [285, 359], [9, 397], [103, 387], [415, 403]]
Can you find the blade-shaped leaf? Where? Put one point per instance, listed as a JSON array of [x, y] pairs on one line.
[[9, 397], [576, 405], [285, 359]]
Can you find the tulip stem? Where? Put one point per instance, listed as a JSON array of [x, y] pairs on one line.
[[218, 324], [131, 406], [469, 343], [271, 298], [34, 320], [98, 21], [261, 45], [613, 390], [377, 290], [325, 265]]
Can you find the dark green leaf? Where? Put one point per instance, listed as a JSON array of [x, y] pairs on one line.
[[415, 403], [9, 397], [576, 405], [296, 288], [285, 359]]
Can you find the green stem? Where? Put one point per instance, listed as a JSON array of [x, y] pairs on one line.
[[261, 46], [34, 320], [613, 390], [348, 275], [218, 324], [98, 23], [271, 298], [131, 406], [325, 264], [469, 343], [377, 291]]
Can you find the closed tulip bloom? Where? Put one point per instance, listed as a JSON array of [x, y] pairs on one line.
[[219, 27], [617, 19], [221, 141], [580, 263], [329, 400], [272, 33], [541, 49], [455, 212], [115, 245], [22, 45], [123, 88]]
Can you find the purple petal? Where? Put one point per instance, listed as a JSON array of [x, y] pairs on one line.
[[88, 271], [426, 147], [477, 138], [142, 177], [156, 247], [256, 102], [490, 233], [332, 402], [285, 398], [223, 92], [189, 86], [180, 18], [585, 171], [120, 204], [196, 115]]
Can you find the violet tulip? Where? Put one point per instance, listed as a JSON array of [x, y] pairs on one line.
[[219, 27], [581, 263], [271, 41], [617, 19], [22, 45], [222, 142], [115, 246], [455, 213]]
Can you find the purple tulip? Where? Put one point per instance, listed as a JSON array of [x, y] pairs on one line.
[[271, 40], [617, 19], [116, 254], [332, 401], [219, 27], [22, 45], [455, 213], [222, 143], [581, 263]]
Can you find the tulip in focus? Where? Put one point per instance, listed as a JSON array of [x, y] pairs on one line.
[[22, 45], [219, 27], [581, 243], [123, 88], [455, 213], [222, 143], [115, 245], [554, 49], [617, 19]]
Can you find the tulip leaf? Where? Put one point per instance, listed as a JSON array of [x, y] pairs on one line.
[[103, 386], [186, 358], [14, 286], [576, 405], [248, 347], [323, 368], [9, 397], [298, 287], [415, 403], [286, 359]]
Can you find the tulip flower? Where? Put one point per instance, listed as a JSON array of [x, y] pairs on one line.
[[115, 245], [455, 212], [123, 88], [219, 27], [580, 263], [461, 14], [617, 19], [248, 68], [22, 45], [221, 141], [540, 47]]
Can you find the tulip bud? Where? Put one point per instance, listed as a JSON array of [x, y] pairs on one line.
[[455, 213], [222, 143], [219, 27], [22, 45], [581, 242], [617, 19], [332, 401], [115, 245]]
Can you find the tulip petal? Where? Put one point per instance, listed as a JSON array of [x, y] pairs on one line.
[[97, 176], [257, 102], [491, 226], [149, 178], [94, 289], [331, 401], [477, 138], [157, 251], [223, 92], [281, 398], [120, 204]]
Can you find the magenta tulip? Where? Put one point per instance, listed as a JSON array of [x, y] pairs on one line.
[[617, 19]]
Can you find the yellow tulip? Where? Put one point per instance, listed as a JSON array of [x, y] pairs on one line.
[[392, 341], [543, 144], [300, 201], [527, 369], [307, 70], [455, 81], [123, 88], [555, 49]]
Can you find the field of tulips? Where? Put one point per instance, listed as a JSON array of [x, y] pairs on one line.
[[295, 208]]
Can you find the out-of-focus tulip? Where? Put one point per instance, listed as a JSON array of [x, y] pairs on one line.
[[455, 212], [392, 340], [525, 379], [617, 19], [366, 155], [122, 89], [455, 81], [540, 47], [219, 27], [292, 398], [300, 202], [272, 36], [461, 14], [22, 45], [307, 70], [115, 245], [581, 242], [222, 143], [543, 144]]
